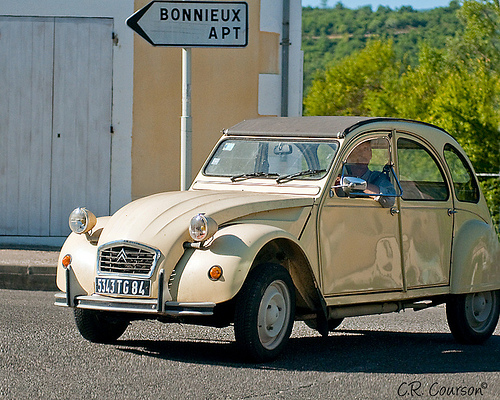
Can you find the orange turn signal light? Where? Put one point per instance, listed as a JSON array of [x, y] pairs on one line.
[[215, 272], [66, 261]]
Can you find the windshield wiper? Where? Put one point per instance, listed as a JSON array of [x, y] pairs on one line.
[[249, 175], [289, 177]]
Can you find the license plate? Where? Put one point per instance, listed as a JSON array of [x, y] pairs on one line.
[[121, 286]]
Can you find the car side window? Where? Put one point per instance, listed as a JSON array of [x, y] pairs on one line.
[[464, 184], [370, 161], [420, 176]]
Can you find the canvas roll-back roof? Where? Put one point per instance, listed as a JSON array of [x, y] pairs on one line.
[[322, 127], [326, 127]]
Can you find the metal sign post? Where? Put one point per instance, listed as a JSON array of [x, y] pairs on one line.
[[190, 24], [186, 121]]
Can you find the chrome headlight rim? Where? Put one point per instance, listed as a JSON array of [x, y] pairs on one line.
[[81, 220], [202, 227]]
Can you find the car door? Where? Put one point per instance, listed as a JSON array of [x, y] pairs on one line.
[[358, 235], [426, 207]]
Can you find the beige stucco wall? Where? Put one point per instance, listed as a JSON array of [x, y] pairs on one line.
[[224, 91]]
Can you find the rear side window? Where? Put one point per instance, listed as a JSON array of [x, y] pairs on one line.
[[464, 183], [420, 176]]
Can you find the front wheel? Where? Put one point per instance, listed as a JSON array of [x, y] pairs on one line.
[[98, 326], [265, 312], [473, 317]]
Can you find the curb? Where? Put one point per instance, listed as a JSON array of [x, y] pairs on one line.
[[28, 278], [27, 269]]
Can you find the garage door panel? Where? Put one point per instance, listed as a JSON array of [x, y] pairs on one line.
[[25, 124], [82, 87], [55, 117], [99, 112]]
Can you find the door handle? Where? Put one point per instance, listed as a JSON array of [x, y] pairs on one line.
[[451, 211], [394, 211]]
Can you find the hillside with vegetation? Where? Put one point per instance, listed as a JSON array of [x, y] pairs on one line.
[[330, 34], [440, 66]]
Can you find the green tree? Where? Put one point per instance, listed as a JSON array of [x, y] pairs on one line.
[[346, 88], [481, 37], [411, 93], [456, 88], [467, 106], [481, 41], [331, 34]]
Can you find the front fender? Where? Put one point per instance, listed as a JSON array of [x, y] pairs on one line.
[[234, 248], [475, 259], [83, 251]]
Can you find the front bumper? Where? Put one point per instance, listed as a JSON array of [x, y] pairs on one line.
[[150, 307], [139, 306]]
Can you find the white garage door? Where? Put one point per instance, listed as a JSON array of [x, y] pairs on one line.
[[55, 119]]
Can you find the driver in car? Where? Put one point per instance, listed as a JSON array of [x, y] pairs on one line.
[[378, 183]]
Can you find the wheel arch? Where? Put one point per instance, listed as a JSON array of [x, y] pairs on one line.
[[475, 259], [289, 254], [238, 249]]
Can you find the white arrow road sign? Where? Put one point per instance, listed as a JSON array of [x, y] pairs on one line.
[[192, 23]]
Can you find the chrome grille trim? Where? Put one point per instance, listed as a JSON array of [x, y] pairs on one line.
[[127, 258]]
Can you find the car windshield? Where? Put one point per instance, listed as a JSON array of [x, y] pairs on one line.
[[281, 160]]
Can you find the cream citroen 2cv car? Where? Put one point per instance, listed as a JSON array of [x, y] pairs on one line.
[[310, 218]]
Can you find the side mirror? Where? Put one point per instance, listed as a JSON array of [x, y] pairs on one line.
[[352, 184]]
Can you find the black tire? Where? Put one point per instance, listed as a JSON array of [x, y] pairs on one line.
[[473, 317], [268, 295], [332, 324], [98, 327]]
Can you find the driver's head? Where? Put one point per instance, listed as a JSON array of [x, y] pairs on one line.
[[362, 154]]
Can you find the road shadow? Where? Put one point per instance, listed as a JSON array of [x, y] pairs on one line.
[[343, 351]]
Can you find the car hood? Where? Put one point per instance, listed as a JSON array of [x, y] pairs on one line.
[[162, 220]]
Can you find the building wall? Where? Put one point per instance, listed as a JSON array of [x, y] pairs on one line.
[[122, 83], [228, 86]]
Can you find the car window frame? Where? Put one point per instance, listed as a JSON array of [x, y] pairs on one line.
[[435, 156], [467, 165], [346, 150]]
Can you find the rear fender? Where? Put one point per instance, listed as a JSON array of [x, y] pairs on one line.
[[475, 264]]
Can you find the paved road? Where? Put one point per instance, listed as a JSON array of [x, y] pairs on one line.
[[408, 355]]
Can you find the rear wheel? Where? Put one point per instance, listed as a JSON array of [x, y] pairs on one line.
[[473, 317], [265, 312], [98, 326]]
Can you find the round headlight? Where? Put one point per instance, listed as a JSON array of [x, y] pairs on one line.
[[202, 227], [81, 220]]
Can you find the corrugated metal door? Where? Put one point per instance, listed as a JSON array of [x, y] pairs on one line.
[[55, 118]]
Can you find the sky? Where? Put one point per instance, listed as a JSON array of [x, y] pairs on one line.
[[416, 4]]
